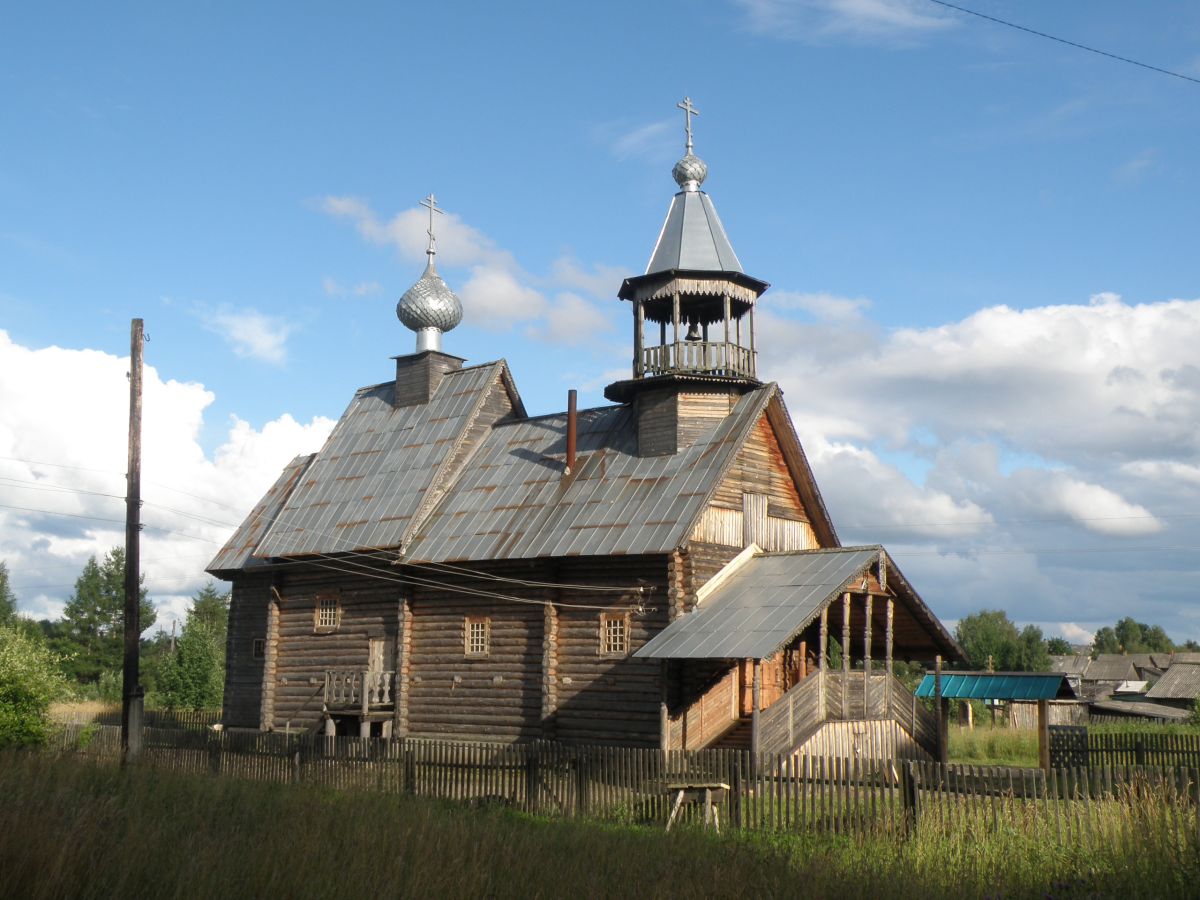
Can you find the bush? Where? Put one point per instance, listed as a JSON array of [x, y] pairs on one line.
[[30, 680]]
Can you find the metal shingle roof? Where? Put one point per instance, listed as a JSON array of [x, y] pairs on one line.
[[760, 606], [238, 552], [997, 686], [1110, 667], [511, 500], [692, 237]]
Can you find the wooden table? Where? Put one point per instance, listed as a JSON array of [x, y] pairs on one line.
[[709, 793]]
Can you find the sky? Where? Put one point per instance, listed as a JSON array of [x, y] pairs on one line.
[[981, 243]]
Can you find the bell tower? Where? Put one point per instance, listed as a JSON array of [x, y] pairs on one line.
[[693, 320]]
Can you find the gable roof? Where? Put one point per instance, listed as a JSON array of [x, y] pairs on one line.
[[760, 603], [513, 502], [1070, 663], [430, 482], [1110, 667], [1180, 682]]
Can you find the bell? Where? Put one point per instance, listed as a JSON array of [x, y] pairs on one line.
[[693, 333]]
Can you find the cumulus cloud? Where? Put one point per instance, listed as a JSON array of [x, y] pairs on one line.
[[814, 20], [62, 473], [1026, 458], [498, 294], [570, 320], [250, 333]]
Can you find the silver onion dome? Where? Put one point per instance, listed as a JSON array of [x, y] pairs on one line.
[[429, 308], [689, 173]]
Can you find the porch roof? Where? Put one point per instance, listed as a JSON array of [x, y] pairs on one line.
[[998, 686]]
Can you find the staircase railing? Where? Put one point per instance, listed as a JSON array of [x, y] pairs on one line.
[[708, 717], [794, 716]]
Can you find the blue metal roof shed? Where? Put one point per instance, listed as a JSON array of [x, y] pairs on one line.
[[998, 686]]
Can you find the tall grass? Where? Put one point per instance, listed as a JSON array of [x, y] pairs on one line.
[[75, 829]]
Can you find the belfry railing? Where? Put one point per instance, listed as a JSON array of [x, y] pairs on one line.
[[698, 358]]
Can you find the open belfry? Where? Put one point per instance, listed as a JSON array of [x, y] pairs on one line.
[[660, 572]]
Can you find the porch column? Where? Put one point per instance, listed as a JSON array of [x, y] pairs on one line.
[[675, 315], [403, 668], [823, 647], [639, 323], [550, 666], [845, 650], [664, 720], [867, 658], [757, 701], [752, 364], [889, 642]]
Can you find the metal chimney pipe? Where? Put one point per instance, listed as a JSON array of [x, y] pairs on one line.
[[572, 424]]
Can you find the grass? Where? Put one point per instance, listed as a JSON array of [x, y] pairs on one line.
[[999, 746], [76, 829]]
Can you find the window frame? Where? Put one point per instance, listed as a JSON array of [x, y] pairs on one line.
[[258, 648], [322, 604], [469, 624], [606, 646]]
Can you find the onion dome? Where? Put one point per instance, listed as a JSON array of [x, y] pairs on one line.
[[429, 307], [689, 173]]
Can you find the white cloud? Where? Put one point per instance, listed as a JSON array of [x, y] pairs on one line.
[[250, 333], [495, 299], [192, 501], [815, 20], [653, 140], [334, 288], [1075, 634], [1134, 170], [570, 320], [599, 281]]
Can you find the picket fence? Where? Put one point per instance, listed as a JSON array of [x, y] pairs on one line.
[[858, 797]]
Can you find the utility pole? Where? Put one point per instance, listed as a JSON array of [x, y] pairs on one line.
[[131, 694]]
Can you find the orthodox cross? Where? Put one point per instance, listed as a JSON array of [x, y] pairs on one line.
[[430, 203], [688, 112]]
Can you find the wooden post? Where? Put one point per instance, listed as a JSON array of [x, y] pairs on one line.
[[755, 703], [675, 322], [728, 362], [266, 709], [753, 367], [664, 718], [550, 667], [889, 640], [639, 323], [823, 647], [867, 657], [131, 688], [404, 666], [845, 651], [942, 719], [1043, 726]]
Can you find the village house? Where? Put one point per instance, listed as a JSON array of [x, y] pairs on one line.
[[659, 572]]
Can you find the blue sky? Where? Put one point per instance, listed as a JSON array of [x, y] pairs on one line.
[[974, 238]]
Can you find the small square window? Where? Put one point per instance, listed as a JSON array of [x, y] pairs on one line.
[[614, 634], [328, 615], [478, 636], [260, 648]]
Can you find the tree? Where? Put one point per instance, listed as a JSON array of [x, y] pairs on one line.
[[1057, 646], [8, 600], [90, 637], [194, 677], [30, 680], [1105, 641], [1030, 654]]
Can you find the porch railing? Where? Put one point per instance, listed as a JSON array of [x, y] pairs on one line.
[[360, 689]]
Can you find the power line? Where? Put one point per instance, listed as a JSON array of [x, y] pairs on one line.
[[1050, 37]]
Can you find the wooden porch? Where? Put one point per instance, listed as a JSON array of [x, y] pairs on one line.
[[364, 691]]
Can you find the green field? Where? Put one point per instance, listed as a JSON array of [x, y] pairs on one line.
[[70, 828]]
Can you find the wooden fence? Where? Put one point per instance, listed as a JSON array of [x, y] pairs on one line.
[[192, 720], [771, 792]]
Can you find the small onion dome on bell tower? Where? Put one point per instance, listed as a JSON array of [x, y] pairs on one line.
[[429, 307]]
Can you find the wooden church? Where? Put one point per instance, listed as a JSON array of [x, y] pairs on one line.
[[660, 572]]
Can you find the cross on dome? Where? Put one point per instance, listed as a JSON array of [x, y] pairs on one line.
[[430, 203], [688, 112]]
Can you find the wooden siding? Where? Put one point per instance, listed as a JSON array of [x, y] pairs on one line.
[[725, 526], [759, 468], [669, 420], [876, 739], [244, 673]]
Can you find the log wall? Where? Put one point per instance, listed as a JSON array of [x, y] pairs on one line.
[[243, 673]]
